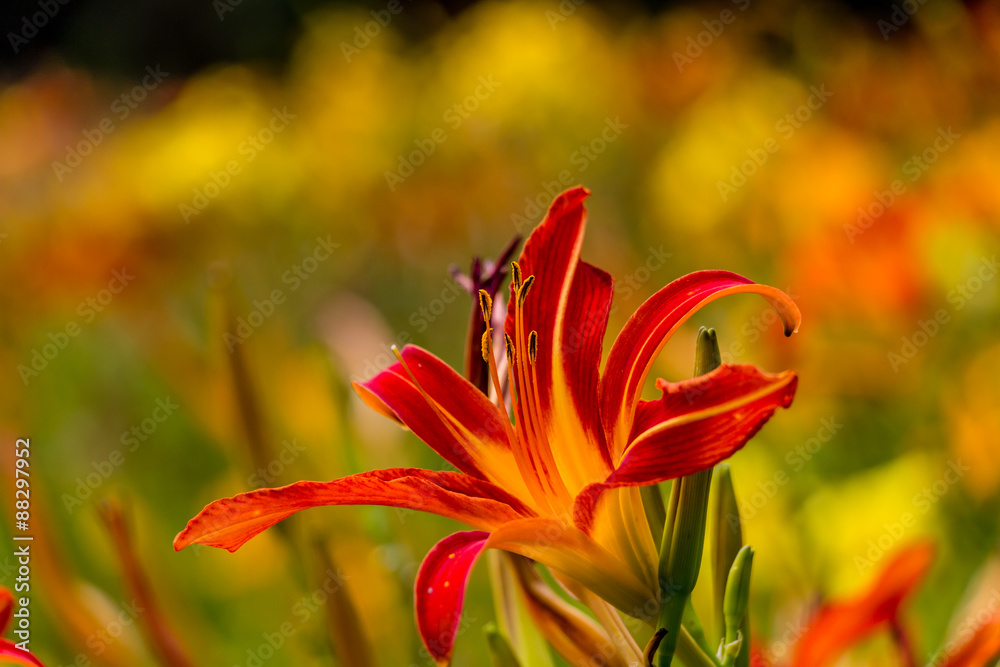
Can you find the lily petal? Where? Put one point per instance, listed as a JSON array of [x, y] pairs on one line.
[[572, 633], [448, 413], [653, 323], [440, 590], [567, 306], [696, 424], [563, 547], [839, 625], [230, 522], [12, 655]]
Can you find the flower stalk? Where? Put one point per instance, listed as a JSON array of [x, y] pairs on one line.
[[684, 532], [727, 544], [734, 606]]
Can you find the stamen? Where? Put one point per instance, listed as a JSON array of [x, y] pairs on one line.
[[532, 345], [522, 293], [485, 305], [510, 350], [515, 275], [433, 406], [487, 352], [495, 376]]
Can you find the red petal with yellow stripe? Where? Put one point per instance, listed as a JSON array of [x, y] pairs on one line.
[[567, 308], [444, 410], [648, 329], [696, 424], [230, 522]]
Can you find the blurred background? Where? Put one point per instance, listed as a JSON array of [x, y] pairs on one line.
[[214, 216]]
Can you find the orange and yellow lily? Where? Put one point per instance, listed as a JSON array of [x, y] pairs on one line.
[[559, 484]]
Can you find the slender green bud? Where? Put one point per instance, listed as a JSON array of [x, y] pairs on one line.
[[735, 606], [738, 589], [679, 571], [707, 356], [684, 533], [501, 654], [728, 539]]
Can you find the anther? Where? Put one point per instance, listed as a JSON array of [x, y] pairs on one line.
[[515, 275], [485, 305], [487, 335], [522, 293]]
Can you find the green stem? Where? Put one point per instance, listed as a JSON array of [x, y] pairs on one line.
[[684, 535], [692, 624], [691, 654]]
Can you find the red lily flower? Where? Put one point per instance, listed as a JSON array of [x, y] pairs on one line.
[[839, 625], [560, 485], [10, 654]]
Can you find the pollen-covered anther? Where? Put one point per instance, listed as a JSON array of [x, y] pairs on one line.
[[486, 305], [522, 293], [515, 275], [532, 345], [487, 347], [510, 349]]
